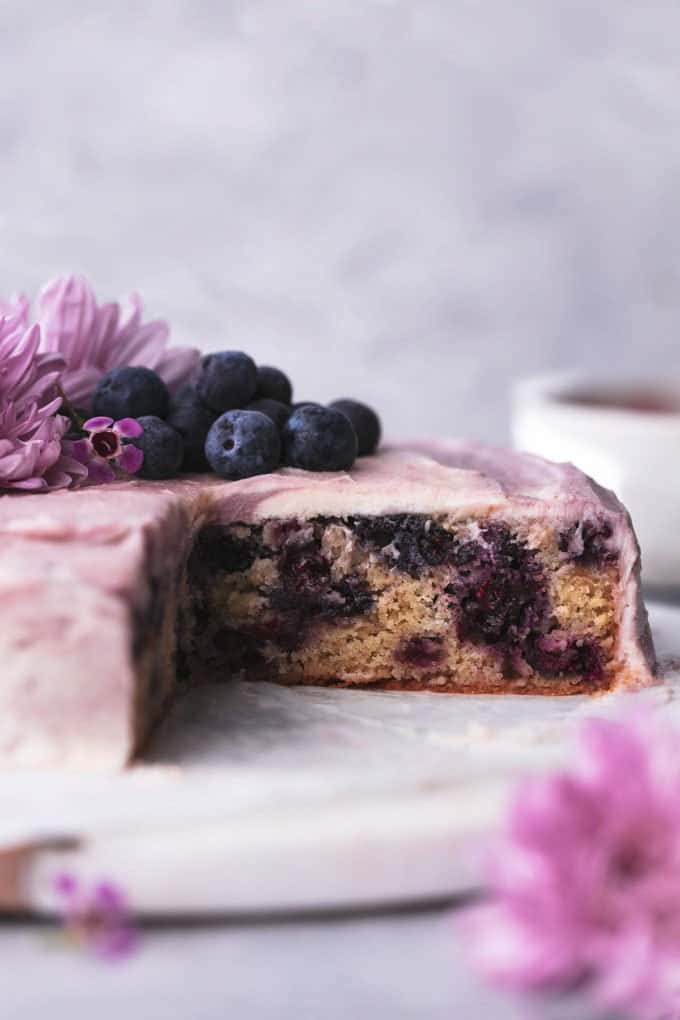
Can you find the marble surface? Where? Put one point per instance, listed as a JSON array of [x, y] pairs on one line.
[[400, 967]]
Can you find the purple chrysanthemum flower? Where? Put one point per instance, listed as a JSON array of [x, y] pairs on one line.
[[94, 338], [104, 447], [585, 884], [96, 918], [32, 456]]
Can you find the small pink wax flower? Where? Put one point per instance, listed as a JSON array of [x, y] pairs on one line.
[[104, 447], [94, 338], [96, 918], [584, 885]]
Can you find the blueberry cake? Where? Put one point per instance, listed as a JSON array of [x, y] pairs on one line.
[[450, 567]]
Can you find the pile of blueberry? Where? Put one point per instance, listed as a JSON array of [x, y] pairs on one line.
[[236, 419]]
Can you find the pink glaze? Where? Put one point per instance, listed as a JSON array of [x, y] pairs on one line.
[[76, 565]]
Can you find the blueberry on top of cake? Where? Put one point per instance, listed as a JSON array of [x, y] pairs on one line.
[[300, 550]]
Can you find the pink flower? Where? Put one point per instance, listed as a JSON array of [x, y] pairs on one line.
[[94, 338], [585, 883], [16, 308], [31, 431], [96, 918], [104, 446]]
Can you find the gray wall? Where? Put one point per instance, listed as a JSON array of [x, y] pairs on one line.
[[415, 201]]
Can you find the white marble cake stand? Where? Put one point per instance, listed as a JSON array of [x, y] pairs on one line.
[[258, 798]]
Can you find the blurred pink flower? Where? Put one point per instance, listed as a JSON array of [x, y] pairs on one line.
[[94, 338], [585, 883], [104, 446], [96, 918], [15, 308], [31, 453]]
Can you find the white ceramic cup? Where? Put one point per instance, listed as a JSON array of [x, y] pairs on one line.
[[626, 435]]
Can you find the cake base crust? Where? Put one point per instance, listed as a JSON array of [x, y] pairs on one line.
[[445, 685]]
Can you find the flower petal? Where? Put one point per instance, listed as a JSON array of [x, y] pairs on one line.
[[131, 459], [99, 472], [30, 485], [67, 309], [108, 896], [80, 383], [584, 886], [97, 424], [65, 883], [129, 428], [81, 450], [176, 366]]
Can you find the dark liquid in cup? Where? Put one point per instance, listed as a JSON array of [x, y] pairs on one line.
[[645, 401]]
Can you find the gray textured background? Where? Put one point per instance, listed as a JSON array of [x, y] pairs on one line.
[[411, 201]]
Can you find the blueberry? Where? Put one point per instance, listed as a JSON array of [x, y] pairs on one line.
[[226, 380], [319, 439], [422, 650], [274, 409], [274, 384], [365, 421], [306, 403], [192, 419], [129, 393], [303, 567], [218, 550], [243, 443], [558, 654], [410, 542], [501, 589], [162, 446]]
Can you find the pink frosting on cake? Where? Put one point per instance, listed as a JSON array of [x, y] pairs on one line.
[[76, 566]]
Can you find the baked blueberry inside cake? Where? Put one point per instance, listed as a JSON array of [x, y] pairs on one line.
[[413, 601]]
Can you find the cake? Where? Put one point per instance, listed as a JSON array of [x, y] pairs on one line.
[[443, 566], [170, 519]]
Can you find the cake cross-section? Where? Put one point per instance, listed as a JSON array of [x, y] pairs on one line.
[[450, 567]]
